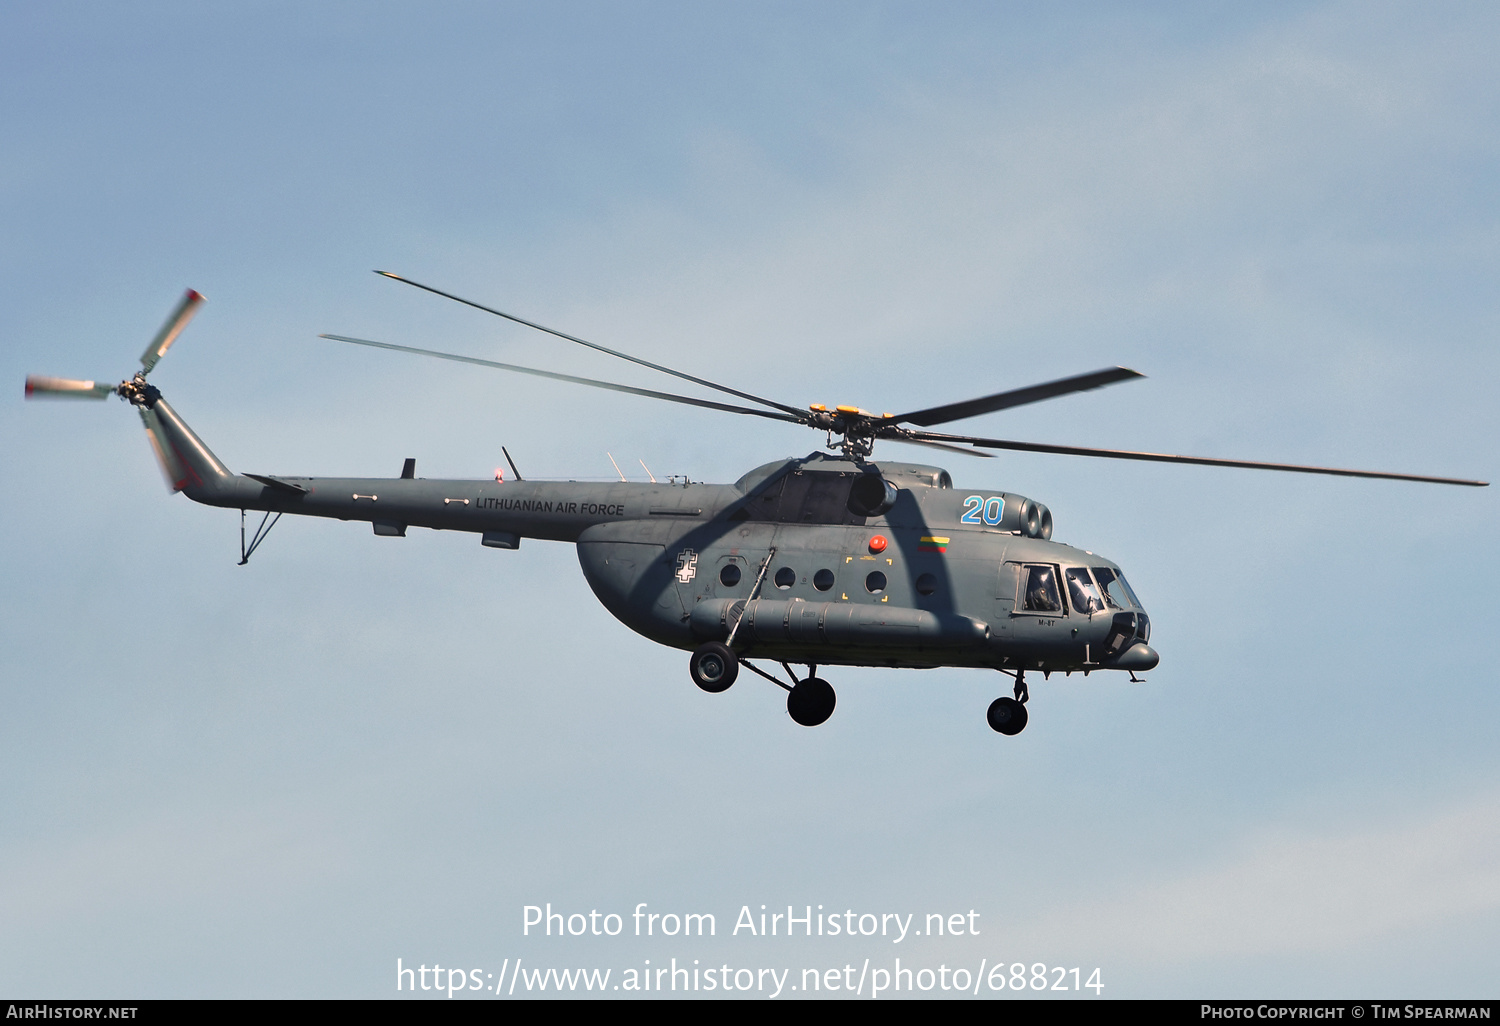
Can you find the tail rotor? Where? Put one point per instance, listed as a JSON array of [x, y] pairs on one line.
[[135, 389]]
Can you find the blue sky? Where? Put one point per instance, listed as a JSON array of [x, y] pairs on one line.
[[275, 780]]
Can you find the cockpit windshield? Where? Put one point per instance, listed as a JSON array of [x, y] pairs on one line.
[[1116, 592], [1082, 593]]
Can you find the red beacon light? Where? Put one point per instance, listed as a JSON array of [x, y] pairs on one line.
[[878, 543]]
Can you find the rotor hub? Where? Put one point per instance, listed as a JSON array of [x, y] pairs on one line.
[[858, 428], [138, 393]]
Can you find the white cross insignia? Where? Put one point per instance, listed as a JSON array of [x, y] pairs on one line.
[[687, 565]]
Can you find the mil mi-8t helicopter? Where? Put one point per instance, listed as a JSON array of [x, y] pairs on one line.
[[823, 560]]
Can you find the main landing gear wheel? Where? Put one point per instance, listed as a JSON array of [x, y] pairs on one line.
[[811, 701], [714, 667], [1007, 716]]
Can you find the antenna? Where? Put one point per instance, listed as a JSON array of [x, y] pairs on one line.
[[512, 463], [617, 466]]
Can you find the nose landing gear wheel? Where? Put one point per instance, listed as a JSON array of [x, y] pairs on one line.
[[1007, 716], [811, 701], [714, 667]]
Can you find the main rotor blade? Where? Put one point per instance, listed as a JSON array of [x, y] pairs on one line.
[[648, 393], [940, 445], [603, 349], [1156, 457], [38, 386], [170, 330], [1018, 397]]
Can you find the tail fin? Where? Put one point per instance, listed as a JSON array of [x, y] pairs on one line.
[[186, 462]]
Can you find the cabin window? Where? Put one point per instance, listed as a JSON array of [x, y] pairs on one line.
[[823, 579], [785, 578], [1040, 590], [730, 575], [875, 582], [926, 584]]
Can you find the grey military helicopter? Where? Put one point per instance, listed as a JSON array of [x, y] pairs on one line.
[[830, 559]]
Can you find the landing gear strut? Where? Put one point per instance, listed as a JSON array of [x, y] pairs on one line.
[[1008, 715], [809, 701]]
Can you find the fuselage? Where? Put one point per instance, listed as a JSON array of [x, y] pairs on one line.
[[782, 561], [788, 563]]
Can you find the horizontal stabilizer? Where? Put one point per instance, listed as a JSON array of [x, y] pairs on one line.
[[280, 485]]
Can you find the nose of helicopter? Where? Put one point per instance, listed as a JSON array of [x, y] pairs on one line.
[[1139, 656], [1127, 645]]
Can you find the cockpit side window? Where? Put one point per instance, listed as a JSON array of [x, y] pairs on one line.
[[1039, 590], [1116, 594], [1082, 593]]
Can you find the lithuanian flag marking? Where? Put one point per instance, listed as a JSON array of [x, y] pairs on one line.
[[933, 544]]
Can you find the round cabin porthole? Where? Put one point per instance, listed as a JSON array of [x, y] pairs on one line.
[[823, 579]]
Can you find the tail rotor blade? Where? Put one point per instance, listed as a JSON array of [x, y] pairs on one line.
[[39, 387], [170, 330]]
